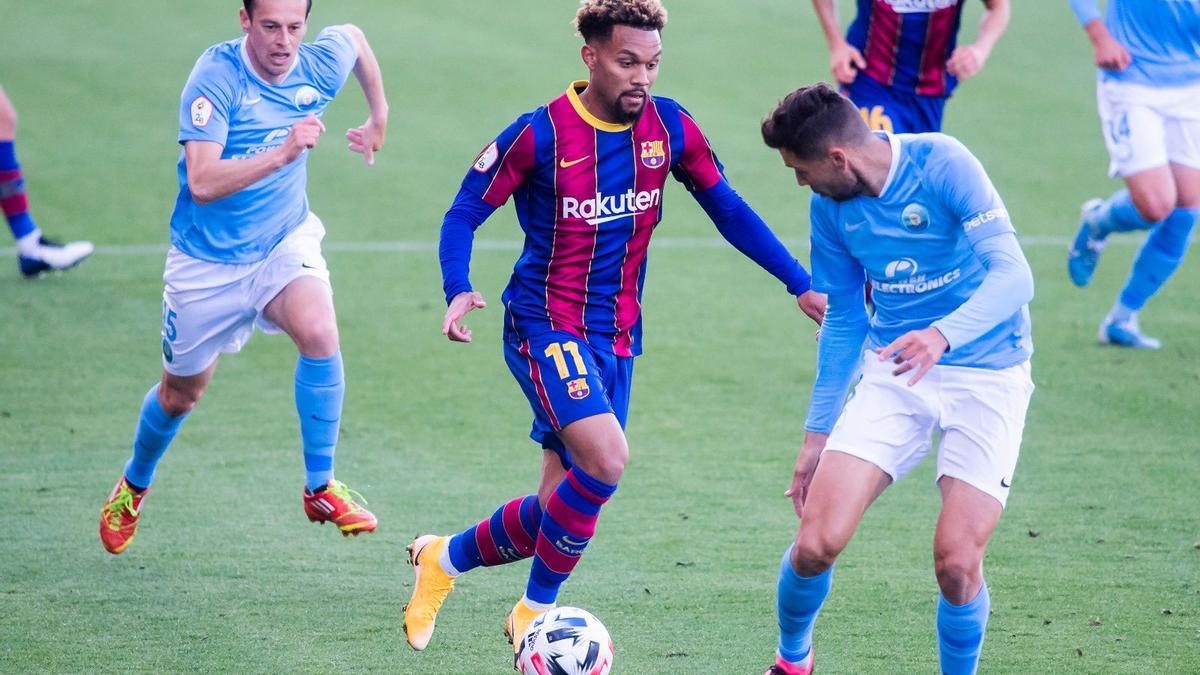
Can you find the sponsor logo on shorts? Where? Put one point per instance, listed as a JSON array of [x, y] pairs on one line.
[[1004, 483], [653, 154], [578, 389], [984, 218], [915, 218]]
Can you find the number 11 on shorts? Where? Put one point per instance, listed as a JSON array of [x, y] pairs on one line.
[[555, 351]]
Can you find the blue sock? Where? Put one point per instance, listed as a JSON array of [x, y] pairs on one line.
[[155, 430], [320, 388], [13, 201], [1118, 214], [960, 632], [1158, 258], [799, 601]]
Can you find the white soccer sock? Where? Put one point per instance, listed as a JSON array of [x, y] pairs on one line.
[[28, 245]]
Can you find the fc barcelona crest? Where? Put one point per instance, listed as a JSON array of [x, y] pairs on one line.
[[578, 389], [653, 155]]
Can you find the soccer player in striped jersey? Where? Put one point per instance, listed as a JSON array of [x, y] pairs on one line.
[[900, 61], [587, 173]]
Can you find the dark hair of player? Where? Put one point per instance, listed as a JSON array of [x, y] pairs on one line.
[[249, 5], [812, 119], [596, 18]]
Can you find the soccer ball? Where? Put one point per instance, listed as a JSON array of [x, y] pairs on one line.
[[565, 641]]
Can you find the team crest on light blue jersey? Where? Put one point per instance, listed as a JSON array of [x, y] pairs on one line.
[[915, 218], [306, 97]]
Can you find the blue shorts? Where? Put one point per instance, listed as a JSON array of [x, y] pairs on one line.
[[897, 112], [566, 380]]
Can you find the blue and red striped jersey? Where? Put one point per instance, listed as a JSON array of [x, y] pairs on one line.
[[588, 195], [906, 43]]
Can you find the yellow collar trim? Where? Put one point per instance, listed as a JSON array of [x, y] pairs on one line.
[[573, 95]]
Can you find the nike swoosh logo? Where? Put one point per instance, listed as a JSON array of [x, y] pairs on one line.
[[251, 101], [850, 227], [308, 267], [566, 165], [1004, 483], [322, 419]]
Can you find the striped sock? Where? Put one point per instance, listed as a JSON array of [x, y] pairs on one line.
[[320, 388], [13, 201], [567, 527], [508, 536]]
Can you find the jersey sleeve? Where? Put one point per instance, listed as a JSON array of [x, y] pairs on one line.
[[333, 55], [1085, 10], [206, 103], [698, 168], [834, 270], [967, 191], [503, 165]]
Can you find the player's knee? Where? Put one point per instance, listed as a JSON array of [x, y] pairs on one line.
[[179, 400], [814, 552], [611, 464], [318, 341], [1154, 207], [958, 572]]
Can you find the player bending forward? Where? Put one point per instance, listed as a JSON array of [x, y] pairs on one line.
[[587, 171], [947, 351], [245, 248]]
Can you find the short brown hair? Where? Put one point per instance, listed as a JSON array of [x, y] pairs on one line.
[[810, 120], [596, 18], [249, 5]]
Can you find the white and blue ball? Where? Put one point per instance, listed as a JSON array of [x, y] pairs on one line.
[[565, 641]]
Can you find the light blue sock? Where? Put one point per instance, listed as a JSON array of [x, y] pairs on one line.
[[155, 430], [1158, 258], [960, 631], [320, 388], [799, 602], [1118, 214]]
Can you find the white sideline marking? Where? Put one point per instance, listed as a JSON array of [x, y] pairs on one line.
[[413, 246]]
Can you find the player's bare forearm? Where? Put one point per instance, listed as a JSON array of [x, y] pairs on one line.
[[827, 15], [211, 178], [369, 75], [992, 25]]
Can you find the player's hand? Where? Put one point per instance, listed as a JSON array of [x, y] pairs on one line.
[[452, 326], [806, 467], [966, 62], [845, 61], [813, 304], [918, 350], [303, 136], [367, 139], [1110, 55]]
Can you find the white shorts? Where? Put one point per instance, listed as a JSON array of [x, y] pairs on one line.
[[1147, 127], [209, 308], [980, 412]]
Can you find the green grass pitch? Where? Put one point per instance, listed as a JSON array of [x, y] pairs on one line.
[[1095, 567]]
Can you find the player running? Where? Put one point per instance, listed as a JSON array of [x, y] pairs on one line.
[[899, 63], [587, 171], [1148, 92], [35, 253], [947, 351], [246, 250]]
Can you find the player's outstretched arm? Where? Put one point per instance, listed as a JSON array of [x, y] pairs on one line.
[[742, 227], [844, 60], [368, 138], [466, 214], [211, 178], [968, 60]]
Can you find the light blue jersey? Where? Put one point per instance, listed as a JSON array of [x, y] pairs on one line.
[[913, 243], [1162, 37], [226, 102]]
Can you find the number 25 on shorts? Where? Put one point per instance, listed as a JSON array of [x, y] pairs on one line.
[[555, 350]]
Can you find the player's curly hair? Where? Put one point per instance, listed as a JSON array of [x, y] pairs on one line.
[[810, 120], [596, 18]]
